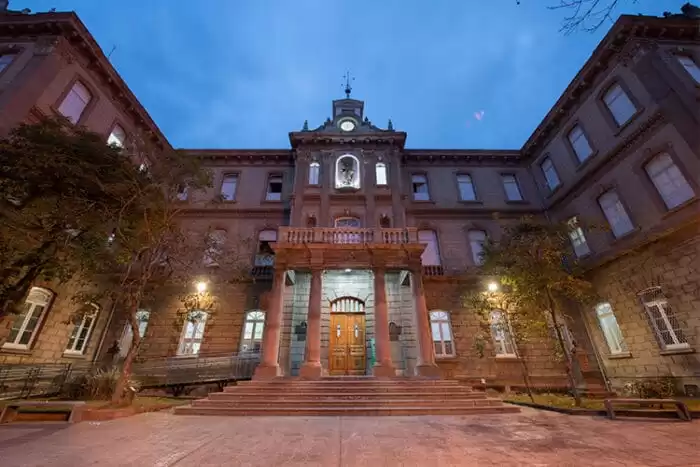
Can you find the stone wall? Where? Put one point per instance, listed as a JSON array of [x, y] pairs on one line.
[[673, 264]]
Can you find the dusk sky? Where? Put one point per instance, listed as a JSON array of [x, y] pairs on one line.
[[243, 73]]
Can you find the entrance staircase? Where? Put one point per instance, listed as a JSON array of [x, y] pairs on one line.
[[347, 396]]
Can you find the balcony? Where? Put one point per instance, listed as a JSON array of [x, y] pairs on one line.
[[347, 236], [347, 247]]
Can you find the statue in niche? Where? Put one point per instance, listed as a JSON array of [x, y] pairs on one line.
[[347, 171]]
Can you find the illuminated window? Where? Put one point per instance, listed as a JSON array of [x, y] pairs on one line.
[[501, 334], [142, 317], [441, 330], [81, 331], [380, 170], [610, 328], [253, 331], [192, 333], [117, 136], [75, 102], [26, 324], [347, 172], [669, 330]]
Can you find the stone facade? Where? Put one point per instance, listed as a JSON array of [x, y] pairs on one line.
[[354, 201]]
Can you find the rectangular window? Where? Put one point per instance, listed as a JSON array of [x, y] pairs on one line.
[[510, 184], [477, 238], [420, 187], [81, 332], [619, 104], [466, 188], [431, 254], [615, 213], [610, 328], [688, 63], [117, 136], [550, 173], [192, 333], [142, 317], [314, 172], [380, 171], [441, 331], [578, 239], [502, 335], [669, 181], [75, 102], [5, 60], [274, 189], [26, 323], [579, 143], [663, 319], [228, 187]]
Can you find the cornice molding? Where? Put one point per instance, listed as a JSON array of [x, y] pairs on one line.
[[457, 156]]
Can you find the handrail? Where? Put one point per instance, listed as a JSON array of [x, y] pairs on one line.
[[347, 235]]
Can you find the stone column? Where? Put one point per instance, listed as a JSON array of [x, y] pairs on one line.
[[426, 352], [384, 367], [269, 367], [311, 368]]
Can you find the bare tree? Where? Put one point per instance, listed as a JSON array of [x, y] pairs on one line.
[[587, 15]]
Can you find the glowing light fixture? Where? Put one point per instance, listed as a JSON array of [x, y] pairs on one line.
[[492, 287], [201, 287], [348, 270]]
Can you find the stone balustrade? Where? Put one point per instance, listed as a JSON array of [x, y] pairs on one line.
[[347, 235]]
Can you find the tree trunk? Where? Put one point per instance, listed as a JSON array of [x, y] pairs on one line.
[[526, 378], [569, 362], [118, 396]]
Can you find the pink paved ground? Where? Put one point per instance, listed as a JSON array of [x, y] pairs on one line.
[[532, 438]]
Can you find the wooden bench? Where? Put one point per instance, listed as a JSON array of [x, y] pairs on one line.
[[13, 407], [681, 408]]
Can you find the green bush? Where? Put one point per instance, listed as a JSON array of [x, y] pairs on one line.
[[652, 388], [96, 385]]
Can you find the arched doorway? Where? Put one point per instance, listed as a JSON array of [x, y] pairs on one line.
[[347, 337]]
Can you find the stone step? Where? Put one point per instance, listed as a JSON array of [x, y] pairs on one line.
[[347, 411], [369, 382], [348, 396], [283, 404]]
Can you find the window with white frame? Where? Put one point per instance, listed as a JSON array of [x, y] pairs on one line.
[[610, 328], [26, 324], [75, 102], [615, 213], [214, 247], [477, 238], [690, 66], [577, 237], [431, 254], [266, 255], [550, 173], [579, 143], [619, 104], [192, 333], [253, 331], [510, 185], [669, 330], [274, 188], [5, 60], [466, 187], [441, 330], [82, 328], [380, 172], [117, 137], [419, 184], [501, 334], [314, 173], [142, 317], [669, 181], [228, 187]]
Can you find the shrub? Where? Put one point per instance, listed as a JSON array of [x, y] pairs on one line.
[[652, 388], [96, 385]]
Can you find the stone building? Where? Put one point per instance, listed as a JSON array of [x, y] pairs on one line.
[[364, 248]]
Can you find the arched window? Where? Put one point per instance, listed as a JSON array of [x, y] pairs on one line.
[[380, 172], [431, 254], [477, 238], [501, 333], [192, 333], [77, 343], [611, 330], [347, 172], [253, 331], [314, 173], [441, 329], [26, 324], [347, 305], [265, 255]]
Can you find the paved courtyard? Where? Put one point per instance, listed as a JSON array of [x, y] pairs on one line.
[[532, 438]]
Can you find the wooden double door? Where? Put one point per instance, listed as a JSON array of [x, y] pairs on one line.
[[347, 344]]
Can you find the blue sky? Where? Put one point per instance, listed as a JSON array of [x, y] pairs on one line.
[[243, 73]]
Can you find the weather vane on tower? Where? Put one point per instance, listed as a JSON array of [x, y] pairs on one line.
[[348, 87]]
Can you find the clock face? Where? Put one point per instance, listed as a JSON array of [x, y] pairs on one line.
[[347, 125]]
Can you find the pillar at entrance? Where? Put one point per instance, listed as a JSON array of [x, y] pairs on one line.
[[311, 368], [269, 367], [384, 367], [426, 356]]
